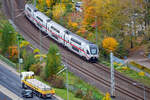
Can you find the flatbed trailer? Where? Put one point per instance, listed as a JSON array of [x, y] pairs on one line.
[[38, 87]]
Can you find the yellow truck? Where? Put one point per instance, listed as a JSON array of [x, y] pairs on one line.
[[39, 88]]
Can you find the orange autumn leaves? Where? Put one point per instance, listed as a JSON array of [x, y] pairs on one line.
[[109, 44]]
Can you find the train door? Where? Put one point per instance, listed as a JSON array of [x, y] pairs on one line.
[[83, 51], [44, 26], [61, 37], [66, 40], [32, 18]]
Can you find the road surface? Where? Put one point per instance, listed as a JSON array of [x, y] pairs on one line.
[[4, 97], [11, 81]]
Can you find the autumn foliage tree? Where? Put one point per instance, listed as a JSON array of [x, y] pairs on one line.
[[109, 44], [58, 10], [111, 16], [48, 2]]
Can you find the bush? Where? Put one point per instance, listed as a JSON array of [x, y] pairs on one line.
[[56, 81], [104, 54], [36, 68], [122, 51], [42, 74], [28, 61], [88, 96], [79, 93]]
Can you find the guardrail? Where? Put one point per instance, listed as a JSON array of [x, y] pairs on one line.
[[140, 66], [8, 61], [137, 67]]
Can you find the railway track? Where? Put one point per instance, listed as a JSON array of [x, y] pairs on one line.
[[82, 66], [103, 81]]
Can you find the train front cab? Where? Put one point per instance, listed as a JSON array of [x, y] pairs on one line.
[[93, 53]]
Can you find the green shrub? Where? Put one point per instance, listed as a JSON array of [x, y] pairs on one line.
[[88, 96], [42, 74], [122, 51], [56, 81], [28, 61], [36, 68], [79, 93]]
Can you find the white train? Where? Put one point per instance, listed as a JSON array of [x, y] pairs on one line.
[[75, 43]]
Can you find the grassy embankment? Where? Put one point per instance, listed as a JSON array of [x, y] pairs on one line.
[[76, 83], [130, 73]]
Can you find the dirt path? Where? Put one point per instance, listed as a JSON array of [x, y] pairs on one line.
[[137, 55]]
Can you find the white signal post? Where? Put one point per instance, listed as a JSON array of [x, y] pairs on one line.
[[41, 44], [65, 68], [19, 53], [12, 10], [34, 3], [96, 28], [112, 76]]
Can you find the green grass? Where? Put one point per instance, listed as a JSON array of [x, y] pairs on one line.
[[60, 92], [80, 84], [131, 74], [134, 75], [77, 83], [63, 94]]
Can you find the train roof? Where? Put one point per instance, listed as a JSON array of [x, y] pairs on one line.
[[69, 32], [43, 16], [78, 37], [58, 26], [32, 7]]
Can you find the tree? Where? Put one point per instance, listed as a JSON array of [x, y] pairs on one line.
[[109, 44], [28, 61], [58, 10], [112, 15], [8, 37], [36, 68], [53, 61], [48, 2], [147, 13]]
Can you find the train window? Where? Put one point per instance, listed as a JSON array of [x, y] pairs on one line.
[[55, 36], [35, 10], [55, 29], [76, 41], [29, 9], [74, 48], [39, 25], [39, 19], [87, 52], [68, 32], [48, 20], [93, 50]]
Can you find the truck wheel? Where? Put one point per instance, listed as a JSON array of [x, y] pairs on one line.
[[23, 86], [39, 95]]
